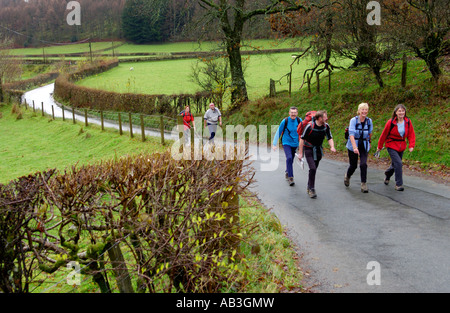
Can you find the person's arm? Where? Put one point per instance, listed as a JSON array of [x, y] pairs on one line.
[[220, 120], [411, 137], [384, 135], [330, 138], [277, 135], [331, 143], [354, 146], [205, 118], [300, 148], [351, 135]]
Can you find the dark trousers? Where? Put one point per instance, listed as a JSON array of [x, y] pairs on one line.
[[290, 155], [396, 166], [312, 164], [212, 131], [353, 160]]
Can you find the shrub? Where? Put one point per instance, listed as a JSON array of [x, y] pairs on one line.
[[179, 219]]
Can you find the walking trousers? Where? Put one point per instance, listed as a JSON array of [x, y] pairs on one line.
[[396, 166], [312, 164], [353, 160]]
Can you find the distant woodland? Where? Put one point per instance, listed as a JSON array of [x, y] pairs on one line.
[[41, 22]]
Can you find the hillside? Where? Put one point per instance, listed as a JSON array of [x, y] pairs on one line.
[[428, 107]]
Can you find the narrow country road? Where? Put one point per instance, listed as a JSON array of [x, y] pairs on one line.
[[343, 233], [407, 233]]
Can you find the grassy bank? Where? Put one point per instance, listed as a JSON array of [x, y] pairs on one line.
[[33, 143], [427, 104]]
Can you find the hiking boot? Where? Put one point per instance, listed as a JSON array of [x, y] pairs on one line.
[[312, 193], [386, 180], [346, 180], [286, 175], [399, 188], [291, 181], [364, 188]]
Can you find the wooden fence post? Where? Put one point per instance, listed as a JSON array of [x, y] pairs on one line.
[[102, 120], [161, 128], [34, 108], [53, 112], [131, 124], [63, 115], [120, 125], [86, 118], [120, 268], [404, 70], [272, 92], [42, 108], [180, 123], [142, 127], [73, 115]]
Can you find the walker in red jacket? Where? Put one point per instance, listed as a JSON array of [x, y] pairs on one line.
[[397, 130]]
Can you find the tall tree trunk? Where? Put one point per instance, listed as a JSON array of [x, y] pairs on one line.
[[233, 38], [238, 85], [377, 72], [433, 67]]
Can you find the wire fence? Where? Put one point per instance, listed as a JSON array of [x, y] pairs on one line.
[[135, 124]]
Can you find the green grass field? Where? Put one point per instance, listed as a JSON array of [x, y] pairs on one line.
[[150, 48], [35, 143], [174, 76]]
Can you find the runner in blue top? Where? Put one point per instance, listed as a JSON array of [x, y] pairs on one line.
[[290, 141]]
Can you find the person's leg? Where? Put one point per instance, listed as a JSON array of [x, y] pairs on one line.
[[290, 154], [363, 154], [187, 135], [390, 171], [363, 165], [309, 156], [289, 160], [212, 130], [353, 164], [397, 164]]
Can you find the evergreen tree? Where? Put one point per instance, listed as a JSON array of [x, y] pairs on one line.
[[142, 20]]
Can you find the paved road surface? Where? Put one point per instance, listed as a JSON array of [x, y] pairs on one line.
[[340, 232]]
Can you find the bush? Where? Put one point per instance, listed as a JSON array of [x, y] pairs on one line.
[[179, 220]]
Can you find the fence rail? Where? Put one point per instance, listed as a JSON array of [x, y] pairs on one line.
[[123, 121]]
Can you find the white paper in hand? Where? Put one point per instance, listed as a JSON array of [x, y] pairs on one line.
[[300, 162]]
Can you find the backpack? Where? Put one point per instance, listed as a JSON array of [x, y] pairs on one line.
[[346, 133], [299, 121], [407, 123], [309, 117]]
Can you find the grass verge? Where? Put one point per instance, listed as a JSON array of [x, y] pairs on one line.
[[30, 143]]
